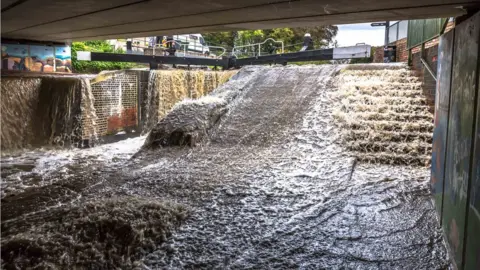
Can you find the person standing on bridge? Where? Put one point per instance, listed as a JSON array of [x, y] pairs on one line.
[[307, 42], [171, 46]]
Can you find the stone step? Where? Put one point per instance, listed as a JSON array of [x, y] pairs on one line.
[[381, 73], [419, 126], [410, 148], [391, 158], [367, 99], [377, 66], [379, 85], [388, 136], [378, 79], [406, 108], [390, 116]]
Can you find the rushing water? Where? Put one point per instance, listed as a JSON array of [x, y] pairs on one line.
[[167, 87], [46, 110], [273, 188]]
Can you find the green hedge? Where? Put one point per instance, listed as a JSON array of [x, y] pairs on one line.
[[96, 66]]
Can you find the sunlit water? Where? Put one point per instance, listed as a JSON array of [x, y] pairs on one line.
[[274, 188], [46, 166]]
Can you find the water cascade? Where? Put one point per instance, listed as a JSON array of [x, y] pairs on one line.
[[384, 115], [18, 105], [45, 110], [273, 177], [89, 114], [167, 87]]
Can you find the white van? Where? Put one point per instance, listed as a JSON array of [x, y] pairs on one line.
[[195, 43]]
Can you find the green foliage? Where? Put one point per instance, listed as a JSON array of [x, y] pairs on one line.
[[285, 34], [292, 38], [251, 36], [95, 66], [222, 39]]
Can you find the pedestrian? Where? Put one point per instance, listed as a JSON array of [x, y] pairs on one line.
[[171, 46], [307, 42], [158, 39]]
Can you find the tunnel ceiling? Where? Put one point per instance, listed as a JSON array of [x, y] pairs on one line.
[[67, 20]]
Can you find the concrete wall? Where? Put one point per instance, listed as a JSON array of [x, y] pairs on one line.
[[456, 144]]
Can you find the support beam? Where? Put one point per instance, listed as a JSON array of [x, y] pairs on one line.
[[361, 51], [151, 59]]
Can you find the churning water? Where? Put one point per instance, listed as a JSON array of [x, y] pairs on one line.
[[272, 187]]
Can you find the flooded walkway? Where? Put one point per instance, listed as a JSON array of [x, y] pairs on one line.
[[273, 187]]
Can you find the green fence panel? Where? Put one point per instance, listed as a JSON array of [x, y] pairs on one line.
[[420, 31], [415, 33]]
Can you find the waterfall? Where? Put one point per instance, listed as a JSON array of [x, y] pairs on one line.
[[59, 105], [151, 99], [167, 87], [89, 114], [56, 110], [18, 102], [384, 115], [46, 110]]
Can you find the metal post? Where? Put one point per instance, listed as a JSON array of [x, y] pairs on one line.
[[422, 52], [387, 30], [129, 46], [398, 30], [409, 57], [259, 50]]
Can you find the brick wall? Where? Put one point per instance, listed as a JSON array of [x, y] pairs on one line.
[[402, 52], [378, 55], [428, 82], [401, 55], [116, 104]]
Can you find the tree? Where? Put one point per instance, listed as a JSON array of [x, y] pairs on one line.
[[222, 39], [323, 36]]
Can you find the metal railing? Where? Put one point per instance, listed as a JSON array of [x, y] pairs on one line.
[[219, 47], [257, 45], [428, 68], [140, 44]]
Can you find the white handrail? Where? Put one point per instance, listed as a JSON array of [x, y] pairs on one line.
[[219, 47], [259, 45]]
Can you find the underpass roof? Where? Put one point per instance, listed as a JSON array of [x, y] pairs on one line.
[[67, 20]]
